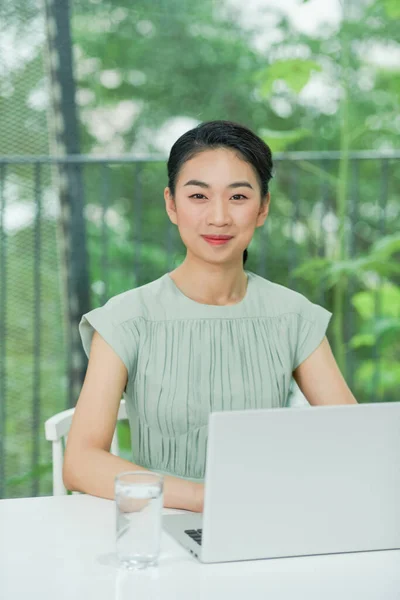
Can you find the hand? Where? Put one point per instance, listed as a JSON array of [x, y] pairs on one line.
[[129, 505]]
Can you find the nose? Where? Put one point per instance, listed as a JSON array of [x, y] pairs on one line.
[[218, 213]]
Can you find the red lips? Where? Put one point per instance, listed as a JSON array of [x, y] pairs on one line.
[[218, 237], [217, 241]]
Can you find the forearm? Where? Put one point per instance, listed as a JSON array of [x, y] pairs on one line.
[[95, 470]]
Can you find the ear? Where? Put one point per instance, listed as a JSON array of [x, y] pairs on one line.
[[264, 210], [170, 205]]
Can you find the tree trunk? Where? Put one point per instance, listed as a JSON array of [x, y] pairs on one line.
[[64, 141]]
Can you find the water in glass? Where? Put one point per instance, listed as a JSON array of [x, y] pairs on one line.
[[139, 510]]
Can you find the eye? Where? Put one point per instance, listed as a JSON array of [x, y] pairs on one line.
[[235, 196]]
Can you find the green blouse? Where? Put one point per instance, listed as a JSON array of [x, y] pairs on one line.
[[186, 359]]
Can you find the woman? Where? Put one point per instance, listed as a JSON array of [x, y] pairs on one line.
[[207, 336]]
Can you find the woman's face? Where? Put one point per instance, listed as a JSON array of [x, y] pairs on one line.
[[217, 193]]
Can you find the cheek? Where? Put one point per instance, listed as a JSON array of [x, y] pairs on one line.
[[190, 217], [246, 217], [188, 224]]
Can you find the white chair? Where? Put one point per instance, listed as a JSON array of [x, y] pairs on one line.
[[296, 397], [56, 430]]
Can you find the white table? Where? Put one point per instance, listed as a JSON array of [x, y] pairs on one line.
[[63, 547]]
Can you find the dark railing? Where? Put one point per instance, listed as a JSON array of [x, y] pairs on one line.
[[33, 385]]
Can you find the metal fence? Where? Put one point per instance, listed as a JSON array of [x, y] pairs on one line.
[[131, 242]]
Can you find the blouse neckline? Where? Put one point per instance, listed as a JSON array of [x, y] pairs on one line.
[[216, 307]]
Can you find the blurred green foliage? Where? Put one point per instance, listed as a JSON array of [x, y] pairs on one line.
[[377, 341], [163, 60]]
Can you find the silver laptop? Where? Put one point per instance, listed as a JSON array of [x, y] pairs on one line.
[[292, 482]]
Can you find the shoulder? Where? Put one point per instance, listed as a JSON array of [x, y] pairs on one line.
[[278, 300], [140, 302], [118, 320], [305, 322]]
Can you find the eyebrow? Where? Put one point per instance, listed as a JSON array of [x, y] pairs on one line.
[[203, 184]]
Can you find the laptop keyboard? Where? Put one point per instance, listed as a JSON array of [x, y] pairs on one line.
[[195, 534]]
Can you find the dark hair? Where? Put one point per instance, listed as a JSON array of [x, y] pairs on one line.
[[217, 134]]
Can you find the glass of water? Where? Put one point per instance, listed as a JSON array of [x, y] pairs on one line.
[[139, 502]]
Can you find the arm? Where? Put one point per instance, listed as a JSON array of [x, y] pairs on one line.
[[88, 465], [320, 379]]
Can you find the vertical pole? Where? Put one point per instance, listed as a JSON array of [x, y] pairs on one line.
[[349, 317], [105, 188], [324, 191], [382, 201], [65, 141], [339, 291], [36, 421], [3, 333], [295, 198], [137, 215]]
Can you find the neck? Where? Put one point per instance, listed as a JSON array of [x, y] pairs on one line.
[[211, 284]]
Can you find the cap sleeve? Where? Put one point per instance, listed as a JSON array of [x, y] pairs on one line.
[[122, 337], [313, 321]]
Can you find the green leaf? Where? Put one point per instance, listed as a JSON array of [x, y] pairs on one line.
[[316, 170], [364, 304], [387, 246], [389, 376], [313, 270], [279, 140], [392, 8], [362, 340], [363, 264], [383, 331], [295, 72], [389, 302], [384, 325]]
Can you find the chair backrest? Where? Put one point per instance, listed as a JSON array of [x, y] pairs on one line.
[[56, 430]]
